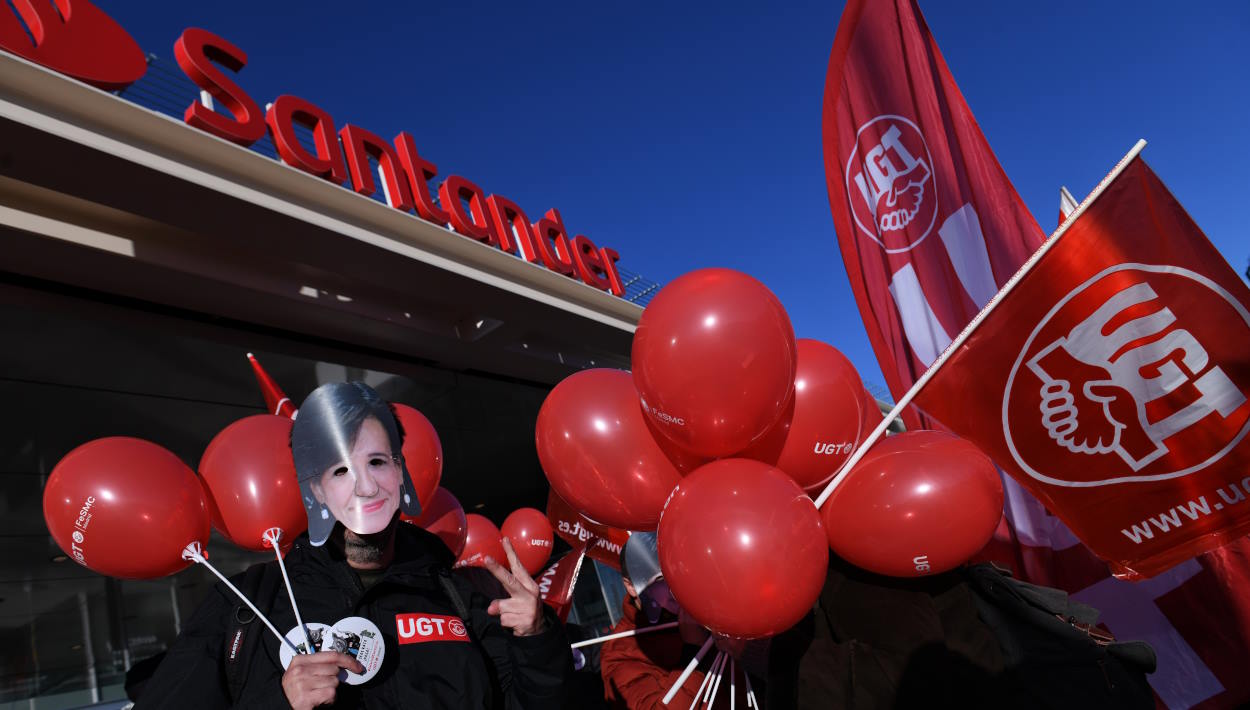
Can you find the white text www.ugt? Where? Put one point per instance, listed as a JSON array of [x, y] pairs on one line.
[[1172, 519]]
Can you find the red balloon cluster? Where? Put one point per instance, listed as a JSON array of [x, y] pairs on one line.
[[716, 371], [526, 528], [125, 507]]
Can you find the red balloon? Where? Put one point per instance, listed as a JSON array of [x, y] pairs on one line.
[[214, 515], [917, 504], [482, 541], [125, 508], [531, 535], [250, 477], [599, 455], [423, 452], [742, 548], [714, 361], [443, 516], [828, 418]]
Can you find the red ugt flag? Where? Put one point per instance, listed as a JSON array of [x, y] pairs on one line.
[[556, 583], [1116, 379], [928, 224]]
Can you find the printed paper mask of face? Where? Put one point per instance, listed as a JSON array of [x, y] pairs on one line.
[[348, 456]]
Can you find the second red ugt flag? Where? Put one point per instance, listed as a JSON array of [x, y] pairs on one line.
[[1117, 378], [928, 224]]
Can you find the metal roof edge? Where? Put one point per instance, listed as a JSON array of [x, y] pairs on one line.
[[38, 97]]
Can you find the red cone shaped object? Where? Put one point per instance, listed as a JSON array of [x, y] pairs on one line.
[[275, 399]]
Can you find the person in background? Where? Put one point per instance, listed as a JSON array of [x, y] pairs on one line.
[[639, 670], [969, 638]]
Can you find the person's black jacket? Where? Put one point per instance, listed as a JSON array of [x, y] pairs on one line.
[[876, 642], [495, 670]]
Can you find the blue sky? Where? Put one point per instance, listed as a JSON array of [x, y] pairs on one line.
[[688, 134]]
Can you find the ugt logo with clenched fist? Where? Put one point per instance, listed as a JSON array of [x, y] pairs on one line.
[[1133, 376], [890, 183]]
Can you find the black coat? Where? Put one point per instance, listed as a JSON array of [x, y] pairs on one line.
[[963, 639], [496, 669]]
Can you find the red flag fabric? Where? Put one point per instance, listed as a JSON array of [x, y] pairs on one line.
[[602, 542], [556, 583], [928, 224], [1118, 387], [885, 63], [1119, 373]]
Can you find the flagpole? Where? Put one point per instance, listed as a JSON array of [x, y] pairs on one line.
[[966, 333]]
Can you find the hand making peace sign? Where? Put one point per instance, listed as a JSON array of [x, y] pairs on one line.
[[522, 610]]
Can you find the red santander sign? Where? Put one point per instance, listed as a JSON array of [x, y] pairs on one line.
[[83, 42], [75, 38]]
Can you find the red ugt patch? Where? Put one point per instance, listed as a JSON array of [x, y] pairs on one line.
[[420, 628]]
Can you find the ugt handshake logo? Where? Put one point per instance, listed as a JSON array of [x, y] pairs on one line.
[[73, 37], [890, 183], [1129, 379]]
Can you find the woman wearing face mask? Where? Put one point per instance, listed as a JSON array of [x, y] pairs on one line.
[[429, 637]]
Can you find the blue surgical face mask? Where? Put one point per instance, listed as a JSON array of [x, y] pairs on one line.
[[657, 598]]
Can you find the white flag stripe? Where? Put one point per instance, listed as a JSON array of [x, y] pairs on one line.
[[1129, 610], [924, 332], [965, 245]]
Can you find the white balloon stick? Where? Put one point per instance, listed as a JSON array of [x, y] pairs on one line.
[[751, 701], [194, 552], [707, 681], [273, 536], [720, 673], [733, 667], [668, 697], [624, 634]]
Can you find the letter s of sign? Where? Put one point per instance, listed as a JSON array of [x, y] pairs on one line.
[[75, 38], [196, 51]]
